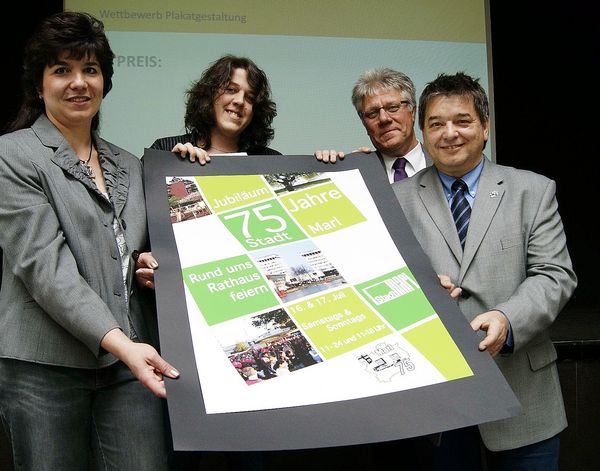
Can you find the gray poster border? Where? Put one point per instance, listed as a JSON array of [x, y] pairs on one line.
[[481, 398]]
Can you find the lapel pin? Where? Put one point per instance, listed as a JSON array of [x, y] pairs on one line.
[[493, 194]]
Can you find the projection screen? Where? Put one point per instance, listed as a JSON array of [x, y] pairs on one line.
[[312, 52]]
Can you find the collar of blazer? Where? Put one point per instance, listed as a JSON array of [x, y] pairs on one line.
[[116, 171], [490, 192]]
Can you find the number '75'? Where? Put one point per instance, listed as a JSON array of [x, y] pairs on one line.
[[245, 215]]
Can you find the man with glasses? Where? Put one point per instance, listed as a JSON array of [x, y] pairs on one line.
[[385, 101]]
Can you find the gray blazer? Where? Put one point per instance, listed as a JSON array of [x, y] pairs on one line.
[[62, 285], [515, 260]]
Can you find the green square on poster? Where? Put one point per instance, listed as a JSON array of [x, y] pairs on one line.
[[226, 192], [337, 322], [262, 225], [228, 288], [397, 297], [322, 209]]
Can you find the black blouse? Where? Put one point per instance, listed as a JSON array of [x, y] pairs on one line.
[[167, 143]]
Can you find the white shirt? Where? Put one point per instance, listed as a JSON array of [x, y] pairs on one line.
[[415, 162]]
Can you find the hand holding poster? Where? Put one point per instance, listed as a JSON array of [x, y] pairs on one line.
[[293, 297]]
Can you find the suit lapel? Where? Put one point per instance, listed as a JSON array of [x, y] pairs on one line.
[[428, 159], [66, 159], [489, 195], [63, 156], [116, 175], [431, 194]]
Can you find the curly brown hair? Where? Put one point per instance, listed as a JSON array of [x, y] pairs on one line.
[[200, 114]]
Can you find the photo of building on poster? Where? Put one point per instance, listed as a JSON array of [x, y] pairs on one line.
[[185, 201], [298, 270], [279, 298]]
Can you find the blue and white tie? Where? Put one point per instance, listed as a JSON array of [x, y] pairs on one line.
[[461, 210]]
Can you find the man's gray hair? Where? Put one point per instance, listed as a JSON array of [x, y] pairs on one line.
[[375, 80]]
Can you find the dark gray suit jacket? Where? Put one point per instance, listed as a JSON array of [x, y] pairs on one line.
[[515, 260], [62, 285]]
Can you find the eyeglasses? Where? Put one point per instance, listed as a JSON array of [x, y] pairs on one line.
[[390, 109]]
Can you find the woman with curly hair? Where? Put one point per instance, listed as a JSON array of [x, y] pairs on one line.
[[228, 110]]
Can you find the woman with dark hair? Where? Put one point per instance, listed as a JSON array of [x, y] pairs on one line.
[[80, 381], [228, 110]]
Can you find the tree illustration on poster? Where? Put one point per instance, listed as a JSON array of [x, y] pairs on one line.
[[293, 296]]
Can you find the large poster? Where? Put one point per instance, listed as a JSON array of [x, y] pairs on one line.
[[293, 297]]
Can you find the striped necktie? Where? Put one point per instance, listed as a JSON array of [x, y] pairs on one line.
[[461, 210]]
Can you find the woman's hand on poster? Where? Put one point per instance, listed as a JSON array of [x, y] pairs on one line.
[[145, 264], [191, 152]]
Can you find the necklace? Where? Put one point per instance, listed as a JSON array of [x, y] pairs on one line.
[[223, 151], [87, 168]]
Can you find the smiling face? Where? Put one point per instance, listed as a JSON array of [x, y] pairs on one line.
[[233, 108], [453, 134], [72, 91], [391, 133]]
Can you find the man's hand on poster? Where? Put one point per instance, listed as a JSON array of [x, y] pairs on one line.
[[495, 324], [331, 156], [453, 290]]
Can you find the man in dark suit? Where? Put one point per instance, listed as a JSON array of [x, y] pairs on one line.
[[386, 103], [496, 233]]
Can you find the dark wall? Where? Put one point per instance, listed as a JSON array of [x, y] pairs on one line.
[[546, 115], [17, 26], [546, 121]]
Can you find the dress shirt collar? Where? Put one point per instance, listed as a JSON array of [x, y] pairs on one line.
[[471, 178], [415, 161]]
